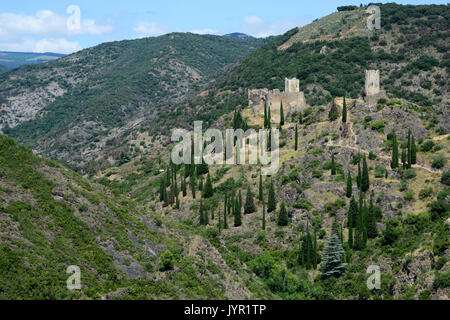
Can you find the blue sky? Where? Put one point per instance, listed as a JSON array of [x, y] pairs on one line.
[[40, 26]]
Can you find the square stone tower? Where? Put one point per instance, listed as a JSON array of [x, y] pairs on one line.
[[372, 85], [291, 85]]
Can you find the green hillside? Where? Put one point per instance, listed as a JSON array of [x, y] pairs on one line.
[[113, 85]]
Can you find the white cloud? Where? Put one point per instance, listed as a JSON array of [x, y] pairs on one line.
[[205, 31], [59, 45], [146, 29], [46, 23], [257, 27]]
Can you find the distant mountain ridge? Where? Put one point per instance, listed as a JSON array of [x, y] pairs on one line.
[[239, 35], [11, 60]]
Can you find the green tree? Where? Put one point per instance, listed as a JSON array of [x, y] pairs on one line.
[[192, 184], [202, 214], [296, 138], [333, 256], [265, 114], [208, 189], [162, 189], [413, 151], [300, 118], [348, 192], [344, 112], [394, 161], [237, 213], [282, 216], [372, 220], [260, 189], [264, 216], [281, 115], [351, 219], [271, 202], [249, 206], [184, 187], [359, 177], [365, 183]]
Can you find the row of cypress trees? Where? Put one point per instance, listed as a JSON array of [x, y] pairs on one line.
[[409, 154]]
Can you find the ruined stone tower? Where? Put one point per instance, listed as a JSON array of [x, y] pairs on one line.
[[372, 85], [291, 85], [293, 100]]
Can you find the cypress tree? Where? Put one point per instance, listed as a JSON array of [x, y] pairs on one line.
[[344, 112], [260, 191], [282, 216], [372, 220], [177, 202], [314, 253], [192, 183], [358, 178], [365, 183], [208, 192], [300, 118], [264, 216], [394, 161], [271, 202], [265, 114], [351, 215], [296, 138], [249, 203], [348, 192], [225, 211], [200, 184], [409, 155], [281, 115], [333, 256], [240, 200], [413, 151], [183, 187], [219, 224], [333, 165], [206, 217], [269, 118], [212, 213], [237, 214], [365, 214], [162, 188]]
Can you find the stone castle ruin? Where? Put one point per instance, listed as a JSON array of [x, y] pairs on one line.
[[372, 85], [292, 98], [372, 91]]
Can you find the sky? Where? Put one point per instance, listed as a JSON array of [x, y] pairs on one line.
[[67, 26]]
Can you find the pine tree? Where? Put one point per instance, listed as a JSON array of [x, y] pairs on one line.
[[394, 161], [333, 165], [237, 213], [413, 151], [177, 202], [183, 187], [225, 211], [162, 189], [351, 219], [281, 115], [333, 256], [372, 220], [260, 191], [249, 203], [282, 216], [365, 183], [296, 138], [264, 216], [208, 192], [344, 112], [348, 192], [271, 202], [359, 177], [265, 114]]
